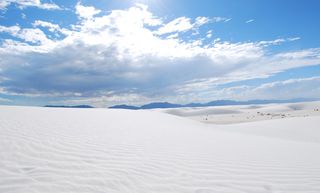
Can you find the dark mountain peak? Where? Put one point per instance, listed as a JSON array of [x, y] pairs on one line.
[[66, 106], [156, 105], [159, 105], [124, 107]]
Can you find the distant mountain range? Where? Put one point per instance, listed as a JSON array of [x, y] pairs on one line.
[[66, 106], [164, 105]]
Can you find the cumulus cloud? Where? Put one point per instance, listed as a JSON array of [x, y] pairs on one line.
[[31, 35], [55, 29], [50, 26], [11, 30], [28, 3], [86, 12], [131, 53]]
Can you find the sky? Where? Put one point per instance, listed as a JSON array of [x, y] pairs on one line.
[[108, 52]]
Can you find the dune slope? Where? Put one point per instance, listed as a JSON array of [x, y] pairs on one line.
[[246, 113], [105, 150]]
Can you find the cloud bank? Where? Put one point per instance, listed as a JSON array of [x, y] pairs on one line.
[[132, 54]]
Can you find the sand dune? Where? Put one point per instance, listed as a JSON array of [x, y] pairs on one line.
[[247, 113], [105, 150]]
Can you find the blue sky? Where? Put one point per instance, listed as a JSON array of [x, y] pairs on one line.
[[137, 51]]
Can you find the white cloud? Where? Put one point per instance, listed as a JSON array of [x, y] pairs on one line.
[[11, 30], [31, 35], [279, 90], [180, 24], [122, 52], [292, 88], [4, 4], [109, 99], [23, 16], [183, 24], [141, 11], [54, 28], [209, 34], [86, 12], [173, 36], [4, 100], [50, 26], [221, 19], [294, 39], [300, 55], [250, 21], [29, 3], [201, 21], [278, 41]]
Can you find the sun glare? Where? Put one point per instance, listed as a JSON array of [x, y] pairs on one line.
[[147, 2]]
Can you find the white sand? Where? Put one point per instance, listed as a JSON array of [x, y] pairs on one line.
[[247, 113], [107, 150]]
